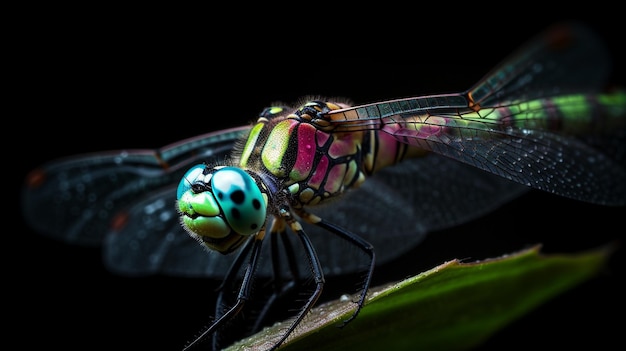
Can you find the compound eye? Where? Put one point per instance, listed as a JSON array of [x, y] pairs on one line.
[[194, 174], [240, 199]]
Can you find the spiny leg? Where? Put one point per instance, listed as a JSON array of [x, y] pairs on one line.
[[279, 232], [244, 289], [362, 244], [316, 269]]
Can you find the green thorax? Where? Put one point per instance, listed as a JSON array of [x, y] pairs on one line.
[[313, 164]]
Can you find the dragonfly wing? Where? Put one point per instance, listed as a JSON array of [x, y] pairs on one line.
[[550, 162], [76, 199], [151, 240], [516, 122], [566, 58], [397, 207]]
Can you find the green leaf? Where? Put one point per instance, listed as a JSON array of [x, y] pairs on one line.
[[454, 306]]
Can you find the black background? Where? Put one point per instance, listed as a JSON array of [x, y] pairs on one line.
[[88, 85]]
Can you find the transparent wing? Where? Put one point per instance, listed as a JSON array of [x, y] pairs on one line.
[[116, 195], [152, 241], [398, 206], [567, 58], [517, 123]]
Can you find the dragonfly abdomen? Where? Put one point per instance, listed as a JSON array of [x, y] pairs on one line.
[[568, 114], [574, 114]]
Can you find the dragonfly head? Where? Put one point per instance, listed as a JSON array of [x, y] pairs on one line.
[[221, 206]]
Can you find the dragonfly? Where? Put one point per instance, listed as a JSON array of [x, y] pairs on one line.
[[542, 119]]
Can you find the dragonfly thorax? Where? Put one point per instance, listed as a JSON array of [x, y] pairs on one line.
[[291, 148], [220, 206]]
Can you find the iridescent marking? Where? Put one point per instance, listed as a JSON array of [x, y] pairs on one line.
[[319, 174], [385, 150], [569, 113], [431, 126], [344, 144], [321, 138], [334, 179], [275, 110], [306, 152], [276, 145], [251, 141], [294, 188]]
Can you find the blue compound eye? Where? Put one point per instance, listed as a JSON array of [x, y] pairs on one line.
[[240, 199], [189, 178]]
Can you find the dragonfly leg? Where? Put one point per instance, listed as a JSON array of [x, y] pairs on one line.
[[228, 285], [356, 240], [244, 290], [316, 269], [367, 248], [281, 287]]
